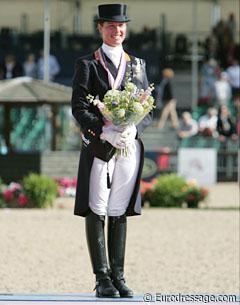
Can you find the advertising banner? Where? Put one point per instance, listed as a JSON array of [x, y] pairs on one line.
[[199, 164]]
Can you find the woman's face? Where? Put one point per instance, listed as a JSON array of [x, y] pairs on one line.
[[224, 111], [113, 33]]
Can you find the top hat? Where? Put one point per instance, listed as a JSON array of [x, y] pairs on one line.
[[112, 12]]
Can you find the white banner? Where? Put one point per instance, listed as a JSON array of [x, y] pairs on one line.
[[199, 164]]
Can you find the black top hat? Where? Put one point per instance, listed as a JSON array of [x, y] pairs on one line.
[[112, 12]]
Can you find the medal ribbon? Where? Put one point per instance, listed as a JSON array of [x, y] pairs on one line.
[[114, 83]]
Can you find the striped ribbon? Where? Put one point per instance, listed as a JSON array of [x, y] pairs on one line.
[[114, 83]]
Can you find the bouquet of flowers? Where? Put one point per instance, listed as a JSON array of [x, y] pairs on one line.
[[126, 107]]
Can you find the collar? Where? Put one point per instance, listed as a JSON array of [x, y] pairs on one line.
[[108, 49], [114, 53]]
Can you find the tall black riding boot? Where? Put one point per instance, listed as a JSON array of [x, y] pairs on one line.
[[117, 231], [97, 250]]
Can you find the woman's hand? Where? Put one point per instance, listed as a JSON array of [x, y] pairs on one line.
[[114, 136], [129, 134]]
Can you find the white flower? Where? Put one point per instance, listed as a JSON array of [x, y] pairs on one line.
[[114, 94], [120, 113], [130, 87], [96, 102], [138, 108]]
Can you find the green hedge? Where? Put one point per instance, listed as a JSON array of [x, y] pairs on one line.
[[40, 190], [167, 191]]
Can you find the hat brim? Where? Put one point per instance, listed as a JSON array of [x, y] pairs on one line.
[[112, 19]]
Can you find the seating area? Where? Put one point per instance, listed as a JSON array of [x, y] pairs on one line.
[[203, 142], [29, 133], [68, 47]]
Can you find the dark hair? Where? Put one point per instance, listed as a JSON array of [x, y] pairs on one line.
[[100, 22]]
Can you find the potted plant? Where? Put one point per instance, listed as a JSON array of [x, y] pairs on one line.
[[147, 189], [167, 191], [193, 194], [13, 196]]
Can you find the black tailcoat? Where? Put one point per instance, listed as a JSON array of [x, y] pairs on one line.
[[91, 78]]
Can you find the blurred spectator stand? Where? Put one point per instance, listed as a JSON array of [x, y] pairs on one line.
[[24, 119]]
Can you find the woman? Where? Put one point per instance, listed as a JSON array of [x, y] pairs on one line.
[[225, 125], [30, 66], [188, 127], [108, 185], [165, 96]]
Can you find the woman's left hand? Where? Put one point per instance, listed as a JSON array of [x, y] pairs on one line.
[[129, 134]]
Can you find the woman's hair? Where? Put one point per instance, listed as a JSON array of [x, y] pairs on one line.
[[100, 22], [223, 108], [168, 73]]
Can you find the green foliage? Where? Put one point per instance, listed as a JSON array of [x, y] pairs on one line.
[[40, 190], [167, 191]]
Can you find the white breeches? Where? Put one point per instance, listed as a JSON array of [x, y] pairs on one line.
[[123, 174]]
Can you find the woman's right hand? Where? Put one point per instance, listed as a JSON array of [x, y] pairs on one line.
[[114, 136]]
